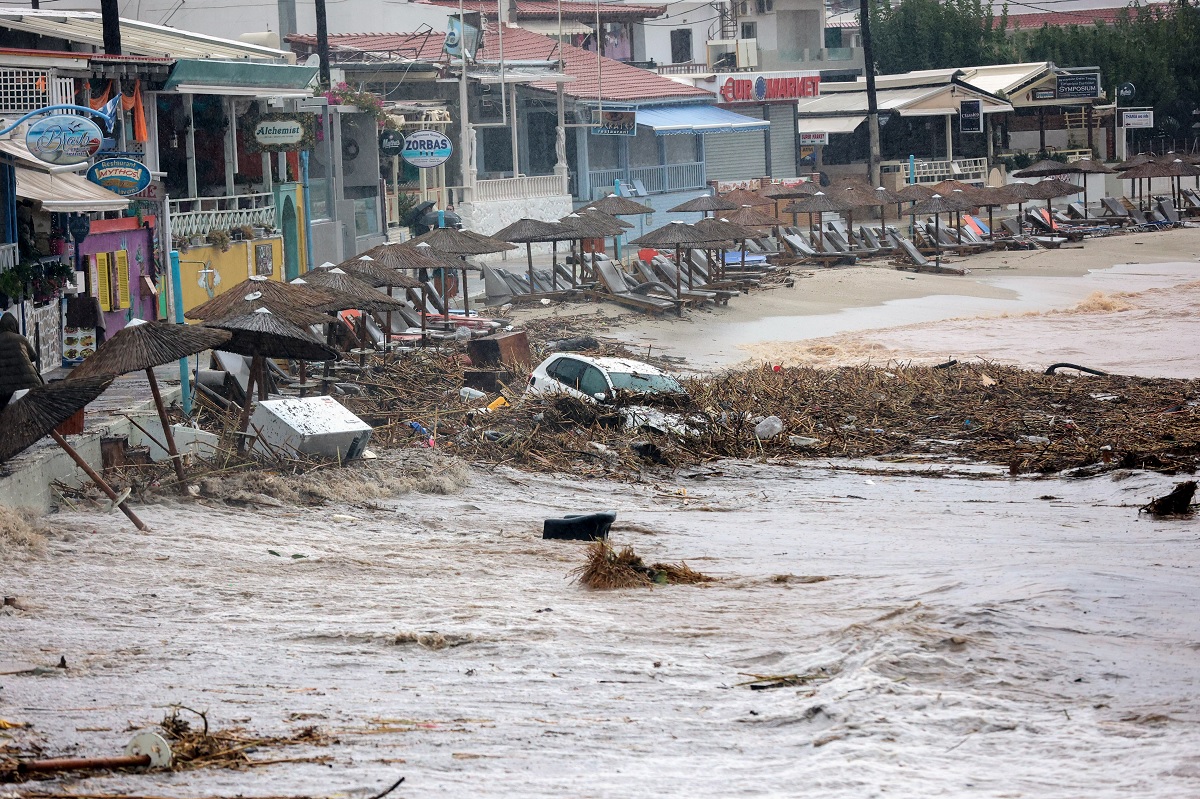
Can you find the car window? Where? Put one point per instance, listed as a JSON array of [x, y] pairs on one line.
[[645, 383], [566, 371], [593, 382]]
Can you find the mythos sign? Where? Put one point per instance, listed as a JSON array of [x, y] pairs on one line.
[[63, 139], [767, 87], [123, 176]]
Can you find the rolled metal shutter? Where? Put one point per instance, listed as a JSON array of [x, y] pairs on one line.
[[783, 140], [736, 156]]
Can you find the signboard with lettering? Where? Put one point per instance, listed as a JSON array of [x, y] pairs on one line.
[[277, 133], [426, 149], [63, 139], [970, 116], [1077, 86], [391, 144], [1043, 94], [122, 176], [1137, 119], [768, 87], [615, 123], [813, 138]]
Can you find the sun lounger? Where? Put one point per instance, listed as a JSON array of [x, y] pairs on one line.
[[918, 262], [673, 276], [1167, 206], [1114, 207], [609, 276], [805, 251]]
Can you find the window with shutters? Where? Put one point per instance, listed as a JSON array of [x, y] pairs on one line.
[[122, 282], [103, 284], [681, 46]]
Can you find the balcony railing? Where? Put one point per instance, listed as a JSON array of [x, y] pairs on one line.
[[968, 170], [657, 179], [683, 69], [23, 90], [524, 188], [196, 216], [8, 256]]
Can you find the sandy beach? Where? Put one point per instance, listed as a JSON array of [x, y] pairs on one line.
[[945, 630]]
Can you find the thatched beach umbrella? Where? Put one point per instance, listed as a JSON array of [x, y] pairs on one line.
[[704, 204], [452, 241], [992, 197], [750, 217], [527, 231], [262, 334], [819, 204], [350, 293], [677, 235], [746, 197], [1147, 170], [142, 345], [615, 205], [299, 304], [723, 230], [590, 224], [937, 205], [34, 415], [1052, 188]]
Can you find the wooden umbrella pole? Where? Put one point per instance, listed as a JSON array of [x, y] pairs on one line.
[[97, 479], [327, 371], [678, 278], [554, 264], [261, 380], [168, 435], [529, 256], [466, 299], [424, 312], [244, 422]]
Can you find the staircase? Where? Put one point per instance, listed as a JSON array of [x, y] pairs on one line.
[[726, 24]]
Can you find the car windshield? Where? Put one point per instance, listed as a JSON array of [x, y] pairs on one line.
[[645, 383]]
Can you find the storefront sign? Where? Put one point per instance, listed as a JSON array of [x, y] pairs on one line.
[[1137, 119], [1126, 91], [122, 176], [1043, 94], [1077, 86], [391, 144], [810, 139], [63, 139], [767, 87], [970, 116], [615, 123], [427, 149], [278, 132]]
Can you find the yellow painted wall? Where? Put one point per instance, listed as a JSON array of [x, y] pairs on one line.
[[230, 267]]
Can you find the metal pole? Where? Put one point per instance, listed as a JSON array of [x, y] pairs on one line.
[[322, 42], [872, 103]]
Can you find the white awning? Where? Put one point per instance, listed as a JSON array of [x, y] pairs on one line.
[[844, 124], [66, 192]]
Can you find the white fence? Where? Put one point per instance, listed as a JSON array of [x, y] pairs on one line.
[[520, 188], [25, 90], [8, 256], [196, 216], [968, 170]]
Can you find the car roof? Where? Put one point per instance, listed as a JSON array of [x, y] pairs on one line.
[[618, 364]]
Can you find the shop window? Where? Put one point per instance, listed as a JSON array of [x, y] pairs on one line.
[[681, 46]]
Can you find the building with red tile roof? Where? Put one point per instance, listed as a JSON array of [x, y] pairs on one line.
[[571, 9]]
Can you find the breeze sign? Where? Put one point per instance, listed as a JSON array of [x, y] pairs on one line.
[[63, 139], [426, 149]]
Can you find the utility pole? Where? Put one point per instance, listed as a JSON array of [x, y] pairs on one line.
[[111, 20], [322, 43], [864, 14]]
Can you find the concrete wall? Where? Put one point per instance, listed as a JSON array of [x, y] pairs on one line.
[[138, 243], [229, 268], [654, 39]]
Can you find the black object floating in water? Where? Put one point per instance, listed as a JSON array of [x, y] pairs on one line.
[[580, 526]]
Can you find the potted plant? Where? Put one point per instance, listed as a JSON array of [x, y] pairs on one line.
[[219, 238]]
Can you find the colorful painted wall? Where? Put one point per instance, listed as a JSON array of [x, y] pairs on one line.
[[207, 271], [119, 253]]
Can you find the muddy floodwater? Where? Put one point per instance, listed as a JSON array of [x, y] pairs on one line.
[[960, 637]]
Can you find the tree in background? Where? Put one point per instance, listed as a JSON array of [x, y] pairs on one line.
[[927, 34]]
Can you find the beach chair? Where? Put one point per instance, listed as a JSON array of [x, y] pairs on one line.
[[1167, 207], [656, 275], [1116, 208], [611, 279], [805, 251], [671, 273]]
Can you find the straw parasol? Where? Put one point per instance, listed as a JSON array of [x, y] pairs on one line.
[[1051, 188], [616, 205], [142, 345], [745, 197], [991, 197], [368, 270], [299, 304], [819, 204], [780, 191], [937, 205], [350, 292], [527, 231], [703, 204], [1049, 168], [452, 241], [677, 235], [724, 229], [263, 334], [27, 419], [748, 216]]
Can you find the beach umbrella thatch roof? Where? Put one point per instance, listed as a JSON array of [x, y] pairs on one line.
[[780, 191], [615, 205], [271, 336], [592, 226], [369, 270], [1053, 187], [723, 229], [1045, 168], [745, 197], [352, 292], [937, 204], [524, 231], [144, 345], [27, 419], [596, 213], [885, 196], [915, 192], [747, 216], [675, 234], [300, 304], [705, 203], [819, 203], [452, 241]]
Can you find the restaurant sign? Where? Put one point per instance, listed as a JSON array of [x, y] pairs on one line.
[[122, 176], [277, 133], [614, 123], [970, 116], [63, 139], [1077, 86], [768, 87], [427, 149]]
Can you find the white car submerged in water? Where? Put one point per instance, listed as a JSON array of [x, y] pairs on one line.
[[598, 380]]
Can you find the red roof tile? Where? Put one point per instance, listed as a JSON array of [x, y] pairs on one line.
[[1083, 17], [571, 9], [621, 82]]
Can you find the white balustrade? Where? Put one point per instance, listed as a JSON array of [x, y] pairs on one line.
[[522, 188], [196, 216]]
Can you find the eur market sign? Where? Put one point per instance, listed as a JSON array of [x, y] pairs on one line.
[[426, 149]]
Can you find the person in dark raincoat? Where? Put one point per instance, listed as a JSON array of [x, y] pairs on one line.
[[16, 360]]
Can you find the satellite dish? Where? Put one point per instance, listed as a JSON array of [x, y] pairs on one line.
[[313, 60]]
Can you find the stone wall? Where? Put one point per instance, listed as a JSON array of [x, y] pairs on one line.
[[488, 217]]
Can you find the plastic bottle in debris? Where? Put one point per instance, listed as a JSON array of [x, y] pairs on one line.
[[466, 393], [768, 428]]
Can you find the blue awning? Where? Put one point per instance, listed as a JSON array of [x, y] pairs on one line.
[[667, 120]]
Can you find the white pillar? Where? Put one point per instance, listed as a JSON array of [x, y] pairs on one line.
[[949, 137]]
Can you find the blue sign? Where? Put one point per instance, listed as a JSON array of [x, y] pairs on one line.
[[63, 139], [122, 176], [426, 149]]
